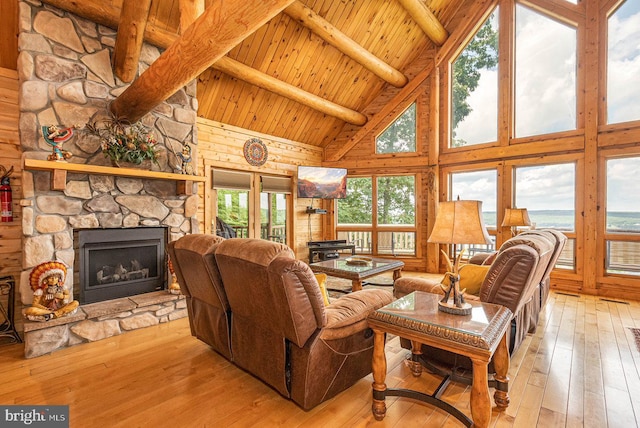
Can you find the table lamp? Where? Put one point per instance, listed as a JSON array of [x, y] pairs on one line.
[[514, 217], [457, 222]]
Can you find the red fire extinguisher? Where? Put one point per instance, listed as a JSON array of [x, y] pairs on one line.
[[5, 195]]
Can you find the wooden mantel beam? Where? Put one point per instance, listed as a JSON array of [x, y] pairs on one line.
[[221, 27], [336, 38], [426, 20], [126, 53]]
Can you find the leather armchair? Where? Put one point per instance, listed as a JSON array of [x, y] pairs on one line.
[[513, 280], [193, 261], [282, 332]]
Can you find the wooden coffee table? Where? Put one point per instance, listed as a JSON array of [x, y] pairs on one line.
[[479, 336], [356, 273]]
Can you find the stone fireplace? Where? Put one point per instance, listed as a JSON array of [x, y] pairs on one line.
[[66, 79]]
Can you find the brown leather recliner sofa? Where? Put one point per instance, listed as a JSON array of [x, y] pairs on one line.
[[518, 278], [280, 329], [193, 260]]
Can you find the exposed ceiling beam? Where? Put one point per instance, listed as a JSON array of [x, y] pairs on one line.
[[426, 20], [126, 52], [190, 10], [265, 81], [221, 27], [336, 38], [108, 16]]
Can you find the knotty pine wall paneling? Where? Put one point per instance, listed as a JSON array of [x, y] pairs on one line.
[[11, 156], [221, 146]]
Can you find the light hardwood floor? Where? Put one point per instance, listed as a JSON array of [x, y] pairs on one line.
[[581, 368]]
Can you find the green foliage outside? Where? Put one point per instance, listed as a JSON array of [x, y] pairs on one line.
[[396, 201], [233, 207], [481, 53], [400, 136], [357, 206]]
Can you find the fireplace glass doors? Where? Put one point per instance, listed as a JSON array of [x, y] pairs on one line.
[[115, 263]]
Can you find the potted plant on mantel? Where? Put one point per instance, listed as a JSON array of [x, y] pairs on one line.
[[125, 144]]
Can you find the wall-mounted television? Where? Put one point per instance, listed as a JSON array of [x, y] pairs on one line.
[[322, 182]]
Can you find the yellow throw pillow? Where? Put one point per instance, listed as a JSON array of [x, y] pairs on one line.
[[322, 283], [472, 276]]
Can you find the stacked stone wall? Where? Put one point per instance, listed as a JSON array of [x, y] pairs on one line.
[[66, 79]]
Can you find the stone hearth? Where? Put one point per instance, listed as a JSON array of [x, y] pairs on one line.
[[99, 321]]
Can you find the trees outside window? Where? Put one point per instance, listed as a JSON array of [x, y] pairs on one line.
[[400, 136], [474, 88], [379, 214]]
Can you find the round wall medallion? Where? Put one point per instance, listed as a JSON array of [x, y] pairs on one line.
[[255, 152]]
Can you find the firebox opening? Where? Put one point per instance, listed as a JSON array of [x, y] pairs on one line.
[[115, 263]]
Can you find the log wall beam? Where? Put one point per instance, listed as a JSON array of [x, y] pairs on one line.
[[426, 20], [126, 52], [221, 27], [336, 38]]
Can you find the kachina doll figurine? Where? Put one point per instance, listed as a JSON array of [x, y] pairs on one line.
[[185, 158], [51, 298], [55, 136]]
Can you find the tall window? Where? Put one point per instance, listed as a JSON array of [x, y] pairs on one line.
[[623, 217], [474, 88], [477, 185], [480, 186], [623, 63], [400, 136], [548, 194], [545, 74], [378, 214]]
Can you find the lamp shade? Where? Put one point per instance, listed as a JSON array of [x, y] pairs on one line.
[[459, 222], [516, 217]]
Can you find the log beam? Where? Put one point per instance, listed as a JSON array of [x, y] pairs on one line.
[[265, 81], [195, 51], [126, 52], [426, 20], [336, 38], [108, 16], [190, 10]]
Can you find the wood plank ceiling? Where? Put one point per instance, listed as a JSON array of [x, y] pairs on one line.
[[298, 69]]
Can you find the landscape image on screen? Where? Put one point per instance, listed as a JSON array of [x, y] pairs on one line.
[[321, 182]]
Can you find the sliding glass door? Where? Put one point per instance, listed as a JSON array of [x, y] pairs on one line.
[[240, 214]]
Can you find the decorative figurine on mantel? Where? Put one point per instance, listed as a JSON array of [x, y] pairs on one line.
[[51, 298], [55, 136], [185, 158]]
